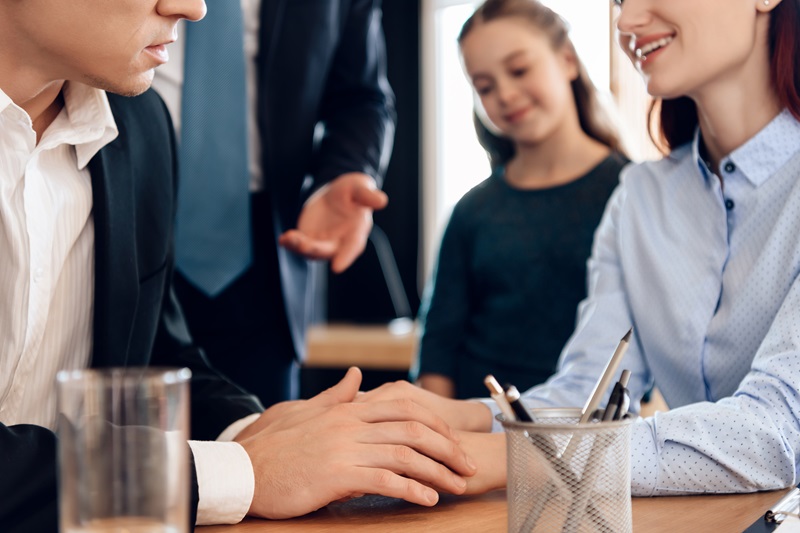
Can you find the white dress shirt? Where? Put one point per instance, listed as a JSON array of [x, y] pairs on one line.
[[47, 243], [47, 280]]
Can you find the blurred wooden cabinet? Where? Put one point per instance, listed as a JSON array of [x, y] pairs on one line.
[[368, 346]]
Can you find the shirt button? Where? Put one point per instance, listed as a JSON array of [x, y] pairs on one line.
[[729, 204], [729, 167], [37, 274]]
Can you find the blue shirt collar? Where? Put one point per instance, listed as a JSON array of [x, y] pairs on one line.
[[762, 155]]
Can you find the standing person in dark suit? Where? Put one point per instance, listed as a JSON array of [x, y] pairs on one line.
[[314, 123], [87, 202]]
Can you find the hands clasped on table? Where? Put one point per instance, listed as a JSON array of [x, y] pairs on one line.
[[308, 453]]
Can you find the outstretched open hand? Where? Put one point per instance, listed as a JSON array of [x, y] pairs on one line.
[[336, 220]]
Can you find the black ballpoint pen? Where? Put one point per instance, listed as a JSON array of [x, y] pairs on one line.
[[513, 397], [619, 401], [625, 402]]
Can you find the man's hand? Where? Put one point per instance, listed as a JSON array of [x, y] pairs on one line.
[[307, 454], [460, 414], [336, 220]]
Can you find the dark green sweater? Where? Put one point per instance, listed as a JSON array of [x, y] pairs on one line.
[[510, 274]]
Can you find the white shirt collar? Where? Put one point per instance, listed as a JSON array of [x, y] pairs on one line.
[[86, 121]]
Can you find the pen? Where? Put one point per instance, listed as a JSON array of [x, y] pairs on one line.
[[625, 402], [620, 399], [605, 379], [513, 398], [599, 390], [786, 506], [496, 392]]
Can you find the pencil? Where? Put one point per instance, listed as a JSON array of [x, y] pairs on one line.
[[605, 379], [496, 391]]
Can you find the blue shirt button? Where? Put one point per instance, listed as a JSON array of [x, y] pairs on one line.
[[729, 204], [729, 167]]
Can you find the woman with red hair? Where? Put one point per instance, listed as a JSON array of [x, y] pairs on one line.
[[700, 253]]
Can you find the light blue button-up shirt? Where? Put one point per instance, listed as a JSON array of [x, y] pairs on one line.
[[705, 269]]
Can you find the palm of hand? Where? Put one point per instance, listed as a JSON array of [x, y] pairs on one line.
[[335, 222], [334, 217]]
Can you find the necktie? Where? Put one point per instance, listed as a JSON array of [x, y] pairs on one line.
[[212, 234]]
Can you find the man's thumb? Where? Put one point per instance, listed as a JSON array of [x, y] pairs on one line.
[[370, 197], [343, 392]]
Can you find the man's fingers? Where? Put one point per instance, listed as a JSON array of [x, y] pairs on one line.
[[373, 480], [406, 422], [405, 409], [426, 442], [349, 250], [370, 197], [390, 391], [343, 392], [300, 243], [405, 463], [341, 253]]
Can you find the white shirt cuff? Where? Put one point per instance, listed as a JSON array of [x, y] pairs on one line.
[[225, 481]]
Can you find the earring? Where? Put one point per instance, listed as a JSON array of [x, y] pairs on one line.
[[766, 2]]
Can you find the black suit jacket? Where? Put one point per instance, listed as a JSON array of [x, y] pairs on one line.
[[137, 321], [320, 62]]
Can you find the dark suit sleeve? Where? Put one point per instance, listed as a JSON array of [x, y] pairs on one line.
[[358, 104], [28, 500], [216, 402]]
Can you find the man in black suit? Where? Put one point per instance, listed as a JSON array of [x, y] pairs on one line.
[[87, 183], [319, 63]]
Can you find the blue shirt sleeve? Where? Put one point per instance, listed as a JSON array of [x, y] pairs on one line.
[[743, 439]]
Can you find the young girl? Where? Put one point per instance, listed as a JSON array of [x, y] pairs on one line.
[[700, 253], [512, 264]]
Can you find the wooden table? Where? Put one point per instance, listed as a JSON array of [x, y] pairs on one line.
[[487, 513]]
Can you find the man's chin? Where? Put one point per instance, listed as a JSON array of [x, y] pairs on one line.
[[133, 86]]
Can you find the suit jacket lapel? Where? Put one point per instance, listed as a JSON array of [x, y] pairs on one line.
[[116, 273]]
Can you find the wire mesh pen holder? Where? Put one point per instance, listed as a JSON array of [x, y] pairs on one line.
[[568, 477]]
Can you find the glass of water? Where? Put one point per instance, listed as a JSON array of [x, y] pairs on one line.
[[123, 456]]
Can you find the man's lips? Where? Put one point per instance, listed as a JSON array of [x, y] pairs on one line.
[[159, 52]]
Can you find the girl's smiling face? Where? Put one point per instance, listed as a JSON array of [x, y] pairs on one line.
[[523, 83]]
